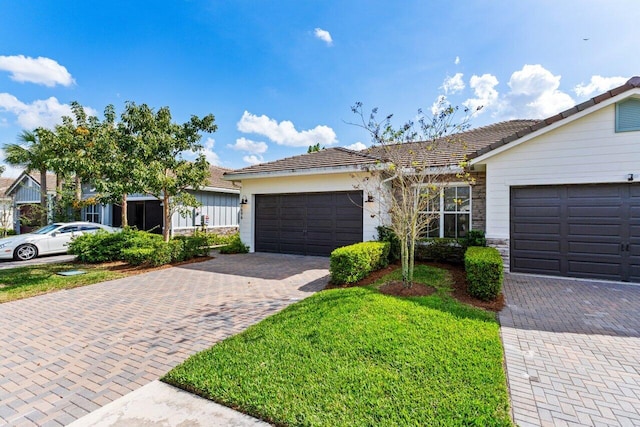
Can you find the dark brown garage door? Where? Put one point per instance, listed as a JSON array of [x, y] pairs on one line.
[[589, 231], [307, 223]]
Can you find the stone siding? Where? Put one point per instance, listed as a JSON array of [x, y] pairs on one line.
[[502, 245], [221, 231], [479, 201]]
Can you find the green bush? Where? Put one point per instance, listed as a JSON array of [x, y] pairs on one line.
[[235, 246], [386, 234], [349, 264], [137, 255], [440, 250], [102, 246], [474, 238], [7, 232], [484, 272]]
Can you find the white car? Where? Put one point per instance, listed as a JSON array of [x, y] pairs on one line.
[[50, 239]]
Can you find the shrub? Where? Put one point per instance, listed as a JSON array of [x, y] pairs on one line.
[[440, 250], [484, 272], [102, 246], [349, 264], [137, 255], [235, 246], [474, 238], [386, 234]]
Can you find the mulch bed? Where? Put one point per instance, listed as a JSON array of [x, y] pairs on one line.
[[130, 270], [459, 284]]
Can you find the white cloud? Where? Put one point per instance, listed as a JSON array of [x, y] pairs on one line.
[[253, 147], [323, 35], [598, 84], [356, 147], [484, 89], [453, 84], [253, 159], [212, 156], [40, 113], [439, 105], [534, 92], [457, 60], [285, 133], [40, 70]]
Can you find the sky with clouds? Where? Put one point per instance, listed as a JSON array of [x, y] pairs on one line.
[[281, 76]]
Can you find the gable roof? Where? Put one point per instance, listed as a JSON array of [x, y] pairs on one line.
[[5, 183], [51, 181], [632, 83]]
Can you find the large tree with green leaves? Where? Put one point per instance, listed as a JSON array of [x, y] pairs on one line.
[[161, 145], [33, 152], [417, 159]]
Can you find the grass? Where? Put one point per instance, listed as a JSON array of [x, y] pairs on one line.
[[355, 357], [24, 282]]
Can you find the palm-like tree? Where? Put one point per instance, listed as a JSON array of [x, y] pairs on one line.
[[32, 153]]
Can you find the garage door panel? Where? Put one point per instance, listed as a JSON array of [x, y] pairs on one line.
[[307, 223], [588, 237]]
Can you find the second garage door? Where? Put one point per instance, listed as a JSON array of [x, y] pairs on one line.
[[588, 231], [307, 223]]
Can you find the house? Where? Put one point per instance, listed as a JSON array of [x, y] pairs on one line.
[[219, 210], [24, 193], [558, 196], [6, 205]]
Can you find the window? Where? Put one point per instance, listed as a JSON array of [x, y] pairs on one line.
[[628, 115], [92, 213], [451, 212]]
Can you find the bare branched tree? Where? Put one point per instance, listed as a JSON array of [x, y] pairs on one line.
[[416, 160]]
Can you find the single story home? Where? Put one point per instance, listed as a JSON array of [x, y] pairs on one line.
[[559, 196], [6, 204], [219, 210], [24, 193]]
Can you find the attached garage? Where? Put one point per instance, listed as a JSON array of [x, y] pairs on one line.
[[307, 223], [587, 231]]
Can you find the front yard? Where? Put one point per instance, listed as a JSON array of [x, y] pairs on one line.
[[357, 357]]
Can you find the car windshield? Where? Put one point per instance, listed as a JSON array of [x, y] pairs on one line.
[[46, 229]]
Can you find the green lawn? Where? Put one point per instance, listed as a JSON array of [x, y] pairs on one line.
[[356, 357], [24, 282]]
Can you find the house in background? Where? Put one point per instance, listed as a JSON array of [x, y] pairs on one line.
[[218, 213], [6, 204], [559, 196], [24, 192]]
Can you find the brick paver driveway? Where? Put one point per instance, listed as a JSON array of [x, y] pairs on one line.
[[67, 353], [572, 350]]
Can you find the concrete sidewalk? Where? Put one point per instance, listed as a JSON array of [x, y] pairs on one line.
[[159, 404]]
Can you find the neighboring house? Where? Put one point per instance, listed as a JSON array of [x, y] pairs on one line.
[[24, 193], [559, 196], [219, 211], [6, 204]]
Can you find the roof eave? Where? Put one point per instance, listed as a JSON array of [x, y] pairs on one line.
[[295, 172]]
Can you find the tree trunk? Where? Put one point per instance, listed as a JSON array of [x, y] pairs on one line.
[[166, 230], [44, 205], [123, 214], [78, 190]]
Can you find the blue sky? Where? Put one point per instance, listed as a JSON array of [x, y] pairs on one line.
[[280, 76]]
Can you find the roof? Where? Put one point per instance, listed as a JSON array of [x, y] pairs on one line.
[[337, 157], [5, 183], [449, 152], [35, 176], [215, 178], [633, 82]]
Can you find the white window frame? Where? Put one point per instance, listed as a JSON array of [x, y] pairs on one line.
[[441, 212]]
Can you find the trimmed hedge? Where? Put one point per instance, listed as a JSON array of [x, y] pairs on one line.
[[440, 250], [484, 272], [349, 264]]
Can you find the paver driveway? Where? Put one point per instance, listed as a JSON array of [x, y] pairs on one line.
[[572, 350], [67, 353]]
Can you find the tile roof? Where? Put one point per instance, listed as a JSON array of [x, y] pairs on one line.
[[328, 158], [448, 151], [215, 178], [5, 183]]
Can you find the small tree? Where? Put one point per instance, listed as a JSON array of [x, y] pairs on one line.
[[164, 172], [416, 160]]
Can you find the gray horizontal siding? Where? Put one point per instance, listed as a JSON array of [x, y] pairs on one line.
[[222, 209]]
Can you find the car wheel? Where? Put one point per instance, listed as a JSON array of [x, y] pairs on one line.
[[25, 252]]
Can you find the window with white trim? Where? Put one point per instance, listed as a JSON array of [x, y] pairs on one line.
[[450, 212], [92, 213]]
